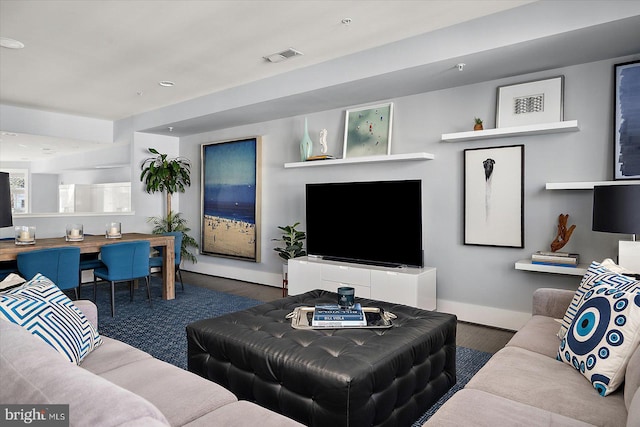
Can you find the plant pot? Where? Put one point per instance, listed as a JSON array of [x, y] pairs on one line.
[[478, 127], [285, 279]]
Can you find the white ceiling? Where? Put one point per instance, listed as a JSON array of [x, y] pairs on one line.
[[104, 59]]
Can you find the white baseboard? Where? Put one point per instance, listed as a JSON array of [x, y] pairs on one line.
[[245, 275], [483, 315]]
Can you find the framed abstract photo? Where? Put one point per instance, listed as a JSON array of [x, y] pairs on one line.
[[494, 196], [231, 199], [626, 135], [367, 131], [530, 103]]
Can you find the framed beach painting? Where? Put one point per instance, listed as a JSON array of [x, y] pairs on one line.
[[494, 196], [367, 131], [231, 199], [626, 136]]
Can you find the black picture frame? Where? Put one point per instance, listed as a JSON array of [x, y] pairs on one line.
[[494, 196], [626, 120]]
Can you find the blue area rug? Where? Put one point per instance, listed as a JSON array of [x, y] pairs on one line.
[[160, 331]]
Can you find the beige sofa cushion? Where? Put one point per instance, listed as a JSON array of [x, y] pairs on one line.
[[539, 334], [548, 384], [632, 380], [181, 395], [34, 372], [477, 408], [242, 414], [112, 354]]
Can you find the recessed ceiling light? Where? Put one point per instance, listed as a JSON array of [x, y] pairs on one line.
[[11, 43], [282, 56], [166, 83]]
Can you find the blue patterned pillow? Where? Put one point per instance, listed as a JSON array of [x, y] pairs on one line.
[[602, 337], [597, 273], [41, 308]]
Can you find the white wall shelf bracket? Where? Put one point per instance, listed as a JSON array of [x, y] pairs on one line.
[[537, 129], [368, 159]]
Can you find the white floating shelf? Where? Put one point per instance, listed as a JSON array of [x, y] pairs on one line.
[[538, 129], [369, 159], [587, 185], [527, 265]]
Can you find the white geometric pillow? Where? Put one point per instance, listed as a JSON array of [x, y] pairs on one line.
[[596, 273], [41, 308], [602, 337]]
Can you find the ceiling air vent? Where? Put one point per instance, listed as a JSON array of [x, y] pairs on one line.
[[281, 56]]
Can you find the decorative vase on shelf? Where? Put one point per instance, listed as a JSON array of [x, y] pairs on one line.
[[306, 145]]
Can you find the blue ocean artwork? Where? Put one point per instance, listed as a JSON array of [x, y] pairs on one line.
[[236, 202], [628, 121], [230, 180]]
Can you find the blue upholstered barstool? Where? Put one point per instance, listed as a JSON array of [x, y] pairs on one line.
[[60, 265], [123, 262], [88, 261], [156, 261], [7, 267]]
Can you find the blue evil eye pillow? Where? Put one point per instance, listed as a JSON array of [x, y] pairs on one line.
[[602, 336], [606, 273]]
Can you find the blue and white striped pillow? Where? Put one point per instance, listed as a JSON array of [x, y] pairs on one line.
[[596, 274], [40, 307]]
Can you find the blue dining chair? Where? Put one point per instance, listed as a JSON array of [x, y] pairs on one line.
[[123, 262], [60, 265], [7, 267], [156, 261], [88, 261]]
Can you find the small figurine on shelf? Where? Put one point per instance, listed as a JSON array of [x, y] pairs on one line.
[[478, 124], [564, 233], [323, 141]]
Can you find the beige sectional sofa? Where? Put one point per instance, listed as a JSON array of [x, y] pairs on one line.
[[118, 385], [524, 385]]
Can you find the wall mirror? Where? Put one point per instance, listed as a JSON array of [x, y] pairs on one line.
[[64, 176]]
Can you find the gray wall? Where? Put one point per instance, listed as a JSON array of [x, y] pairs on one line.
[[470, 278], [477, 283]]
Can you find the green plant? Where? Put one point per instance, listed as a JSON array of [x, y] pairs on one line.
[[293, 241], [175, 222], [170, 176], [162, 174], [477, 120]]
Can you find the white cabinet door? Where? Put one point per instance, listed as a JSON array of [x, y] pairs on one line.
[[360, 291], [394, 287], [304, 276]]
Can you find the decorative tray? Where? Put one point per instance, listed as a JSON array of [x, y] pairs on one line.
[[376, 317]]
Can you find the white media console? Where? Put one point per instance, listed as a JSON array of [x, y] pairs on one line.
[[404, 285]]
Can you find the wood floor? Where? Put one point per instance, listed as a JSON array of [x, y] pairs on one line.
[[469, 335]]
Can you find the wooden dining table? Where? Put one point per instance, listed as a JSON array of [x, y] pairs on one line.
[[91, 244]]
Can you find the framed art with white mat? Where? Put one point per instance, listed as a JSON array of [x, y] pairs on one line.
[[494, 196], [367, 131], [530, 103]]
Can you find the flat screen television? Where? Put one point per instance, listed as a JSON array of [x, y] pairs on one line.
[[375, 222]]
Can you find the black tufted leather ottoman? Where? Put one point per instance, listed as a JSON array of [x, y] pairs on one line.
[[342, 377]]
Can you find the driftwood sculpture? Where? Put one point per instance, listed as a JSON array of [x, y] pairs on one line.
[[564, 233]]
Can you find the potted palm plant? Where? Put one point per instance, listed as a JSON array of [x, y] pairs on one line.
[[162, 174], [293, 246]]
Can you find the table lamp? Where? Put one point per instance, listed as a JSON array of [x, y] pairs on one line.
[[6, 220], [616, 209]]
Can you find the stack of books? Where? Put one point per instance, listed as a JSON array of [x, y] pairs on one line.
[[336, 317], [320, 157], [563, 259]]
